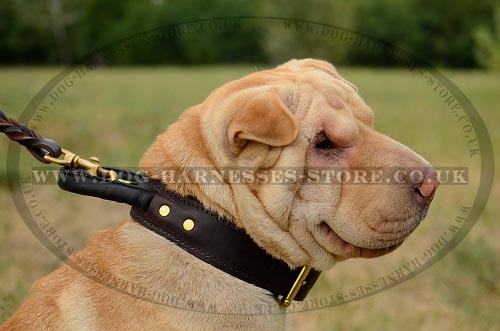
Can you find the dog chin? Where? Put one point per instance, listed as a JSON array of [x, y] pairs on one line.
[[344, 249]]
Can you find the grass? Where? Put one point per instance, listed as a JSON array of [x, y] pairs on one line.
[[116, 114]]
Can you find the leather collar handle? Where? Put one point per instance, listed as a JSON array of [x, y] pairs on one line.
[[188, 224]]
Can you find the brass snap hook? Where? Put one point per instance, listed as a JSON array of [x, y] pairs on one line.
[[92, 166]]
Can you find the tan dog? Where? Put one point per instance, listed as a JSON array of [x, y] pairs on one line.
[[301, 114]]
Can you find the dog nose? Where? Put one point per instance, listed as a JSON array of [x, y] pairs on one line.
[[429, 184]]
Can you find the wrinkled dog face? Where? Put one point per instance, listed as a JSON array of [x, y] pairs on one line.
[[335, 129], [304, 115], [356, 220]]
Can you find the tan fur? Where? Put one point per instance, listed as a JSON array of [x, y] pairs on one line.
[[266, 120]]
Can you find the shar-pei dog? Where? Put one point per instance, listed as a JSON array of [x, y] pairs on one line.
[[300, 117]]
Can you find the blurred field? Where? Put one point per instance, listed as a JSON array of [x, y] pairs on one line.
[[116, 114]]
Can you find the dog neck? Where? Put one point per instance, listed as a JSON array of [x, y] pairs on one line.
[[177, 287]]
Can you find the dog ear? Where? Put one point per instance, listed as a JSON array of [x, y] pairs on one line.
[[264, 119]]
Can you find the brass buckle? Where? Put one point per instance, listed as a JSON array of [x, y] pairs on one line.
[[92, 166], [299, 282]]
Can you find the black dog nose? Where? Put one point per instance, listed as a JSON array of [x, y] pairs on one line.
[[429, 184]]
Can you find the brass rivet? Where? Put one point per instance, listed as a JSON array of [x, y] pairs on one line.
[[188, 224], [164, 210]]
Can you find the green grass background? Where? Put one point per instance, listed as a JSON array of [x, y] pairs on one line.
[[116, 113]]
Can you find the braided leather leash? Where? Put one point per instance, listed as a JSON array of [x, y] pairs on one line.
[[37, 145], [48, 151]]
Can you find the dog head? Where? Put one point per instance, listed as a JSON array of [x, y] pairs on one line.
[[304, 117]]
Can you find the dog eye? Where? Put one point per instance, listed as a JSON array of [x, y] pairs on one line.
[[325, 144]]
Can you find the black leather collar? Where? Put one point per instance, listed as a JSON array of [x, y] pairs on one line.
[[185, 222]]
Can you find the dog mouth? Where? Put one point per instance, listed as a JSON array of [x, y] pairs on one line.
[[341, 247]]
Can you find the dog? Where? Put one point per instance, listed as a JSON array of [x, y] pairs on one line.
[[301, 114]]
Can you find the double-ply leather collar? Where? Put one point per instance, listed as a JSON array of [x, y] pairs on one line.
[[185, 222]]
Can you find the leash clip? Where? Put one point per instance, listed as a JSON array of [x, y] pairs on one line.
[[92, 166]]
